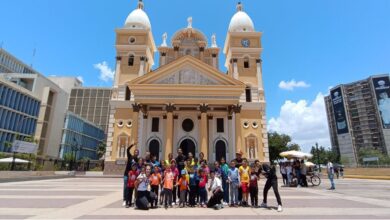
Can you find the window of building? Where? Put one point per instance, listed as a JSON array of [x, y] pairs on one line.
[[187, 125], [131, 60], [128, 93], [248, 94], [220, 125], [155, 124], [246, 63]]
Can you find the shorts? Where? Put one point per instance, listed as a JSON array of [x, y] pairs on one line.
[[244, 187]]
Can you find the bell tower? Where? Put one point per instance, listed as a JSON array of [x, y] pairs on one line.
[[243, 54], [135, 47]]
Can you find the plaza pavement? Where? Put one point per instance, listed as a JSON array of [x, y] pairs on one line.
[[101, 198]]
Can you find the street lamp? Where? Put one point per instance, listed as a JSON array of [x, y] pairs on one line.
[[75, 147]]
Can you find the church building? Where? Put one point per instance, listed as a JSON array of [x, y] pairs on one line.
[[187, 102]]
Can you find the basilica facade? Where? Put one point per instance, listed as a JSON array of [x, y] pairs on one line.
[[187, 102]]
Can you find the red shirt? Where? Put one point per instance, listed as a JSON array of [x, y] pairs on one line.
[[132, 178], [203, 181], [253, 180]]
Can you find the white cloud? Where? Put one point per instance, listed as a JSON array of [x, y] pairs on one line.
[[305, 122], [106, 73], [290, 85], [81, 79]]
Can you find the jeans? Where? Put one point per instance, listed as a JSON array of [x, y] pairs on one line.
[[254, 192], [330, 176], [233, 189], [129, 195], [285, 180], [274, 184], [192, 195], [174, 192], [125, 178], [215, 199], [168, 196], [154, 188], [225, 187], [182, 200], [203, 195]]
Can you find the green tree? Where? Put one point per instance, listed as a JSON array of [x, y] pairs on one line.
[[369, 152], [277, 143], [294, 146], [101, 150], [321, 155], [68, 157]]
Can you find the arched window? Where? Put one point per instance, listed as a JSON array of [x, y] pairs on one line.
[[248, 94], [246, 63], [131, 60]]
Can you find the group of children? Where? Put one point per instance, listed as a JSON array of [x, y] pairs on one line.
[[190, 181]]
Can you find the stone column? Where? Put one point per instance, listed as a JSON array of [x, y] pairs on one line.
[[235, 69], [203, 136], [259, 74], [215, 60], [201, 53], [176, 50], [134, 130], [117, 71], [163, 58], [141, 71], [238, 138], [169, 131]]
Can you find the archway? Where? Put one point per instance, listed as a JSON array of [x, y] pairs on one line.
[[154, 148], [187, 145], [220, 150]]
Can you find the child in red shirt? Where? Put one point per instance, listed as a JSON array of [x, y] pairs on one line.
[[133, 173], [253, 188], [202, 188]]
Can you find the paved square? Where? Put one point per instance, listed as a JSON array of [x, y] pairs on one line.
[[101, 198]]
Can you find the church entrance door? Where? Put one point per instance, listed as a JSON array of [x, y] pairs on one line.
[[220, 150], [154, 148], [187, 145]]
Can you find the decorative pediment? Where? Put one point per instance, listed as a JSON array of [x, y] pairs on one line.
[[187, 76], [186, 70]]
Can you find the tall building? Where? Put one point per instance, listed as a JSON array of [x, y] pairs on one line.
[[80, 137], [187, 102], [10, 64], [66, 83], [51, 113], [91, 103], [359, 117], [19, 110]]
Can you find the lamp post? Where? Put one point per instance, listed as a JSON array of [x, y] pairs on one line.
[[75, 148], [318, 158]]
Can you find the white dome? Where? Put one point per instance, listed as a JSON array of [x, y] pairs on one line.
[[138, 19], [241, 22]]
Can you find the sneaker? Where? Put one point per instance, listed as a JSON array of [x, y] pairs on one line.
[[173, 203], [127, 206], [225, 203], [280, 209], [263, 205], [124, 203]]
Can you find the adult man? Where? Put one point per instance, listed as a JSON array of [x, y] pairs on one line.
[[329, 168], [180, 160], [272, 181], [215, 200], [239, 161]]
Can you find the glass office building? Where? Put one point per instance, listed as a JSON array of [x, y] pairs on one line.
[[80, 137], [19, 111]]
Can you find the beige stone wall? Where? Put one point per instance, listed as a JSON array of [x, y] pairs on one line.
[[251, 134]]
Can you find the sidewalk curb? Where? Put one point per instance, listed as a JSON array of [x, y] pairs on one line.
[[367, 177], [33, 178]]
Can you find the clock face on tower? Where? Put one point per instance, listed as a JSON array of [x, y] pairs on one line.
[[245, 42]]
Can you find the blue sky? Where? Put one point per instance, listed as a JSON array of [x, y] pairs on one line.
[[322, 43]]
